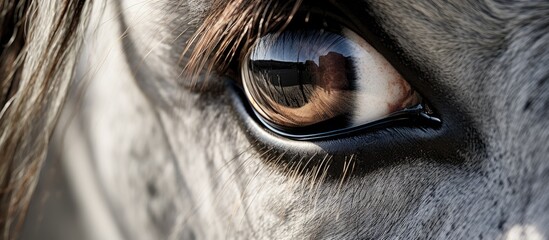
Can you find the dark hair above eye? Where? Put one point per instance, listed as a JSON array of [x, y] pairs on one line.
[[230, 29]]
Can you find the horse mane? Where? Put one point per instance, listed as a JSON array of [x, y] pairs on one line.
[[40, 41]]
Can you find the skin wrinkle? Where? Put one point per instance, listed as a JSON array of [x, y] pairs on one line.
[[490, 57]]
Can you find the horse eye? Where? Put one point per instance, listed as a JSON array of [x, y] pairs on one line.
[[312, 81]]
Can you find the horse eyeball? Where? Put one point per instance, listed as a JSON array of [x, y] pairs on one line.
[[302, 78]]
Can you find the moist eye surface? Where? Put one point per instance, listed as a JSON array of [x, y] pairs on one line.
[[300, 77], [307, 78]]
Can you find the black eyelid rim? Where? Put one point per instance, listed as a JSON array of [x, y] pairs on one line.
[[415, 112], [419, 111]]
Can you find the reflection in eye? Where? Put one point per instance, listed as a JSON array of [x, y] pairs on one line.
[[304, 78]]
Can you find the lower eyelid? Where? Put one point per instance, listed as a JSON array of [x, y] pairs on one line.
[[373, 148]]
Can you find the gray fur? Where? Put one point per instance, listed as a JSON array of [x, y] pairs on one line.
[[173, 165]]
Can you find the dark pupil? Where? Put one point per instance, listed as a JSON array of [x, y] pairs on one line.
[[291, 67]]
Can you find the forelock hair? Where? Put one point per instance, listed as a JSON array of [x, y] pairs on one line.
[[39, 44]]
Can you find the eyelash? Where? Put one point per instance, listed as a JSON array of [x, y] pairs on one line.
[[230, 28]]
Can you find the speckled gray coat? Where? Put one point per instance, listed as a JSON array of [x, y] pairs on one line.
[[148, 159]]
